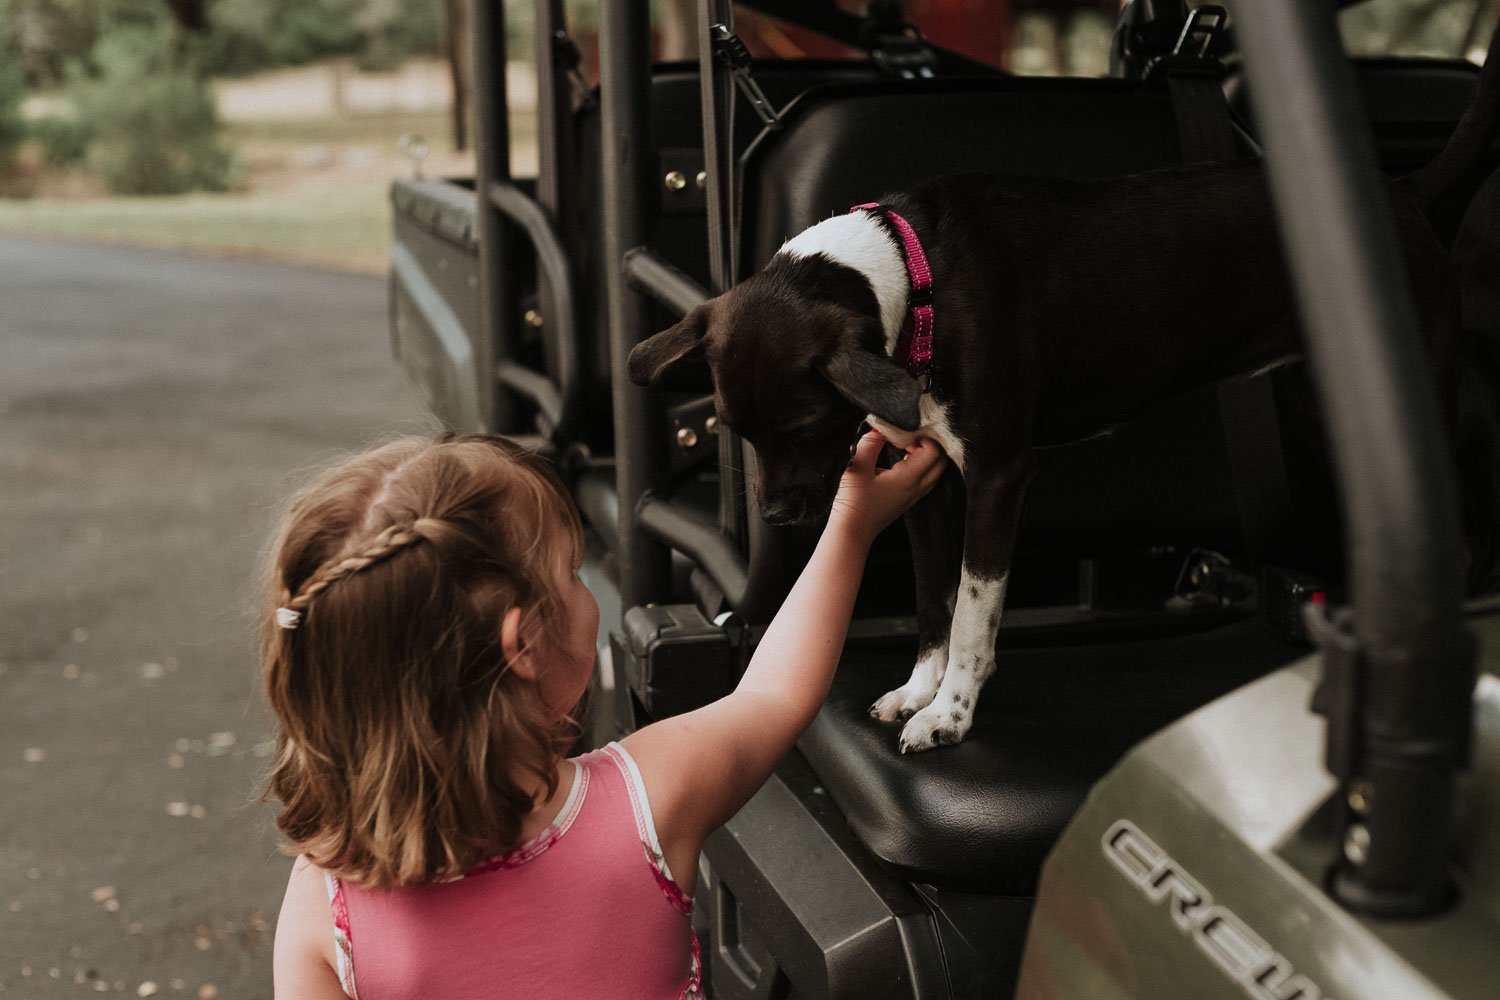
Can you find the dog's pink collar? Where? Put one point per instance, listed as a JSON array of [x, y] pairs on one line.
[[914, 346]]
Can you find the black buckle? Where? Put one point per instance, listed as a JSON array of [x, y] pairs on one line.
[[1191, 53], [895, 44], [735, 54], [918, 297], [904, 55]]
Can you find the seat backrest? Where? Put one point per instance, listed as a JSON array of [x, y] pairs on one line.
[[843, 145], [1412, 105]]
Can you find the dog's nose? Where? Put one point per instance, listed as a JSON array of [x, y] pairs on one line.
[[780, 511]]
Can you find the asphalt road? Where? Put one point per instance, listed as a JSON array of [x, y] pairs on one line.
[[154, 408]]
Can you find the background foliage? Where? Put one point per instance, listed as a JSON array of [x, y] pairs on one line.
[[52, 41], [133, 74]]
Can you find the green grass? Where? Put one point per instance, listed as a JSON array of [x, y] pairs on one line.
[[345, 225], [436, 127], [349, 228]]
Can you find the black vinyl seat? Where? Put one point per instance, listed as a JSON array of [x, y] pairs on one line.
[[981, 816]]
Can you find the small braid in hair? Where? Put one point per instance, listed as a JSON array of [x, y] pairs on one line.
[[386, 544]]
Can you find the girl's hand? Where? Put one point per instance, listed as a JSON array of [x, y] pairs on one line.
[[871, 498]]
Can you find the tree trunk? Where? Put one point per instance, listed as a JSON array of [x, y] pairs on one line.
[[190, 19], [192, 15]]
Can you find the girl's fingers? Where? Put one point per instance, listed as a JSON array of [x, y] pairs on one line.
[[866, 451], [922, 457], [922, 466]]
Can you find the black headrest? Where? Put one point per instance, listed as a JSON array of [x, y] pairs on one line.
[[848, 144]]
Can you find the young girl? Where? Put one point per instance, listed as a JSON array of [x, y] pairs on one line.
[[426, 638]]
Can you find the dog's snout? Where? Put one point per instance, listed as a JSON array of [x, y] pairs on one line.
[[781, 510]]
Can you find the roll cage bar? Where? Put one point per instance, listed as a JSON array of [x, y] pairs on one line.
[[1399, 665]]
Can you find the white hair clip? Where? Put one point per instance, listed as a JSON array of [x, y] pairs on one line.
[[288, 618]]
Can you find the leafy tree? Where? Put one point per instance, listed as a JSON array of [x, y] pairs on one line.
[[154, 124], [47, 37], [41, 38], [247, 35]]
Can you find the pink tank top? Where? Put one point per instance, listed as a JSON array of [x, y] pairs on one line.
[[584, 909]]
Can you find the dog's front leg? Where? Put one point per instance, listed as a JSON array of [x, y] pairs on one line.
[[936, 550], [991, 521]]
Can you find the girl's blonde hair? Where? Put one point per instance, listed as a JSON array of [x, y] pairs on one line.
[[404, 739]]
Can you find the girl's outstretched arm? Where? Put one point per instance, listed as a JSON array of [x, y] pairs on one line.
[[702, 766]]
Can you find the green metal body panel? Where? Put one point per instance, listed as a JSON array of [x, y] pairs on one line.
[[434, 316], [1196, 868]]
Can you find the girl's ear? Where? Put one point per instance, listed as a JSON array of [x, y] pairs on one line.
[[518, 658]]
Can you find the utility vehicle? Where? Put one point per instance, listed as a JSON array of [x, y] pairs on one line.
[[1236, 746]]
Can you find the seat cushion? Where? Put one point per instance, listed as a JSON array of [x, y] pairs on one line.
[[981, 816]]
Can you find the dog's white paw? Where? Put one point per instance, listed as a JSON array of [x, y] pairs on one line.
[[934, 726], [902, 703]]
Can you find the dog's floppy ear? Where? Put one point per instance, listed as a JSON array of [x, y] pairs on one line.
[[657, 356], [878, 384]]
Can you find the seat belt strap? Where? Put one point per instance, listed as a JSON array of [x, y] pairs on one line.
[[1247, 409]]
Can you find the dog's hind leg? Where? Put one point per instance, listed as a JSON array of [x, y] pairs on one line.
[[990, 525], [936, 550]]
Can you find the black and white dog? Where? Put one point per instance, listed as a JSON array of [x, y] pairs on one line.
[[1054, 311]]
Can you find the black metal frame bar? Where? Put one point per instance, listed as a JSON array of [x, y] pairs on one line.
[[555, 154], [502, 205], [649, 273], [641, 461], [1412, 671], [716, 99], [558, 399], [650, 523], [492, 166], [716, 92], [700, 540]]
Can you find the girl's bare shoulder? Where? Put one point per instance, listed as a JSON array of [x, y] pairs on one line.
[[305, 961]]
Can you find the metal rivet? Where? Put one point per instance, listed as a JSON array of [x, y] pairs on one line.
[[703, 180], [1357, 844], [676, 180], [711, 425], [1360, 794], [533, 317], [687, 437]]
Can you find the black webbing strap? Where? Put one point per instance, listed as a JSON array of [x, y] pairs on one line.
[[1247, 408], [716, 19]]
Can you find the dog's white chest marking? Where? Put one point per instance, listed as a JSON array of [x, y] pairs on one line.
[[935, 425]]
